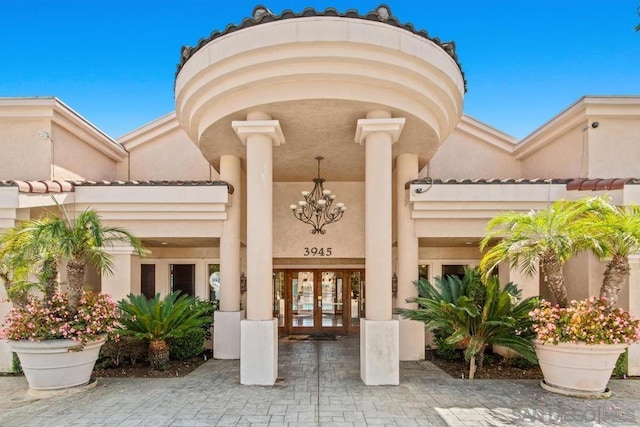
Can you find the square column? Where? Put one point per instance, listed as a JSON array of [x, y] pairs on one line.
[[379, 332], [633, 364], [259, 332], [412, 341], [528, 283], [6, 356], [226, 335], [125, 279]]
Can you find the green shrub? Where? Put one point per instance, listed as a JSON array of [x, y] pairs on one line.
[[522, 363], [443, 349], [121, 351], [16, 367], [620, 369], [187, 346]]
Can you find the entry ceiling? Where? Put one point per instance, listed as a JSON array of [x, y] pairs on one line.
[[318, 128]]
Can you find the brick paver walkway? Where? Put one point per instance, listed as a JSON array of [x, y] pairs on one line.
[[319, 385]]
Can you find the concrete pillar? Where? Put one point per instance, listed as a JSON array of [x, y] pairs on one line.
[[412, 337], [379, 333], [633, 365], [530, 284], [259, 332], [226, 337], [6, 356], [126, 278]]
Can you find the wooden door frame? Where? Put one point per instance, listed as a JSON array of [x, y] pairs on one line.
[[347, 328]]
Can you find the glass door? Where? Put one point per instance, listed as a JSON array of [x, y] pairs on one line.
[[318, 301], [302, 302]]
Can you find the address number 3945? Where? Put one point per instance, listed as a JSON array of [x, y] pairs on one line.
[[313, 251]]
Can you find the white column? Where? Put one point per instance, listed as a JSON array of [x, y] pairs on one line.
[[412, 340], [126, 278], [6, 357], [633, 364], [259, 332], [529, 284], [226, 336], [379, 341]]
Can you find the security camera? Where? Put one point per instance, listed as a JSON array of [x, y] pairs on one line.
[[595, 124]]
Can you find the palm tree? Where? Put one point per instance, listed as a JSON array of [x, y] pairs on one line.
[[12, 272], [78, 240], [159, 319], [617, 230], [547, 237]]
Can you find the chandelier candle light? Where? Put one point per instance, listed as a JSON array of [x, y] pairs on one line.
[[316, 209]]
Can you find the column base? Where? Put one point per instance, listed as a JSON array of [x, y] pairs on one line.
[[226, 334], [258, 352], [633, 362], [379, 353], [6, 355], [412, 340]]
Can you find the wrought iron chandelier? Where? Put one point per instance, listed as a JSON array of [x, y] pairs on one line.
[[316, 209]]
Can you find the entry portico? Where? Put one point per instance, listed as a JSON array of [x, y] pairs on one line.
[[320, 81], [209, 188]]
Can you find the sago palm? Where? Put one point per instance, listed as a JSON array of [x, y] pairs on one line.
[[548, 237], [158, 319], [500, 319]]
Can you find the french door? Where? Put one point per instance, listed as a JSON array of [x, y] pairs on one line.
[[319, 301]]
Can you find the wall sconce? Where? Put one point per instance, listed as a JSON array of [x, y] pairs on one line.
[[243, 283], [394, 285]]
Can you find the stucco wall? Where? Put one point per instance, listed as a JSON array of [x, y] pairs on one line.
[[200, 257], [466, 156], [75, 159], [24, 154], [614, 148], [345, 237], [564, 157], [171, 156]]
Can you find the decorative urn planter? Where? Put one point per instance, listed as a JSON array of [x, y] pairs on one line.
[[577, 369], [57, 365]]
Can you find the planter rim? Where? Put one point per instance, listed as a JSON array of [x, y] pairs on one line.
[[55, 343], [579, 344]]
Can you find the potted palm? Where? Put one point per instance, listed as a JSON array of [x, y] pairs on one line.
[[57, 335], [570, 334]]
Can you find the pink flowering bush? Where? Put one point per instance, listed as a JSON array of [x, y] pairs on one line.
[[591, 321], [50, 319]]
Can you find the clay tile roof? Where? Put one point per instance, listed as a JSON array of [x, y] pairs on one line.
[[485, 181], [159, 183], [262, 15], [40, 187], [600, 184], [56, 186]]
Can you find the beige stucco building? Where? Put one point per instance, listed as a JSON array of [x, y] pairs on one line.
[[209, 188]]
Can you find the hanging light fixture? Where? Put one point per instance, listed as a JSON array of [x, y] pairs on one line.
[[316, 209]]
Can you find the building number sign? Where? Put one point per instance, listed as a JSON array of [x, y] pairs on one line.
[[314, 251]]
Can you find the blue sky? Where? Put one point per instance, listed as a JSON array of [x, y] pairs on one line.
[[113, 61]]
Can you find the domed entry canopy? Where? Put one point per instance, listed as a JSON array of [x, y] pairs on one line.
[[317, 73]]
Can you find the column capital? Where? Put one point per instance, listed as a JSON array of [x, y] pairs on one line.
[[391, 126], [247, 128]]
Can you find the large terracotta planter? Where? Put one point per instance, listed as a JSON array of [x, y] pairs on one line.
[[577, 369], [56, 364]]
